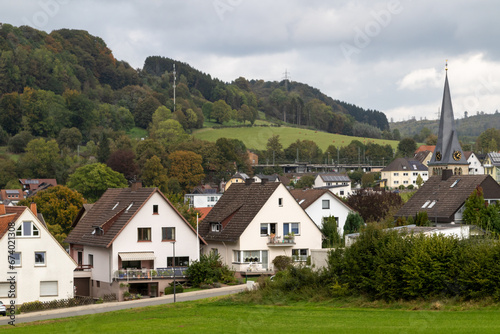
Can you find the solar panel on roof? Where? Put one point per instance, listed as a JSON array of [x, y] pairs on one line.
[[12, 191], [335, 178]]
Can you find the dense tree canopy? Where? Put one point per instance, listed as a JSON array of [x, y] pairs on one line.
[[93, 180]]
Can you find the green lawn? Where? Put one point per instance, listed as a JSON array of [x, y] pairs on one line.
[[223, 316], [256, 137]]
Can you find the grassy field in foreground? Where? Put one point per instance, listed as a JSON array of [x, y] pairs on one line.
[[222, 316], [256, 137]]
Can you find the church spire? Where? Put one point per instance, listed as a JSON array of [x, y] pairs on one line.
[[448, 153]]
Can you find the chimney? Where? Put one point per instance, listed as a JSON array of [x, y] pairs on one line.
[[136, 185], [447, 173], [264, 180], [33, 208], [2, 209], [248, 181]]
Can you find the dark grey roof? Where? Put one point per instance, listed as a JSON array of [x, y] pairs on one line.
[[404, 165], [447, 142], [442, 198], [335, 178], [495, 158]]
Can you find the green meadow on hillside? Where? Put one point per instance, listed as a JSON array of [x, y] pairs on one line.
[[256, 137]]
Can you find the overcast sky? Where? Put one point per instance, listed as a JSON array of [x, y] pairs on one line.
[[384, 55]]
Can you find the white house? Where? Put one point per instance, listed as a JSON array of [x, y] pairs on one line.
[[206, 200], [43, 270], [131, 235], [339, 184], [475, 165], [322, 203], [254, 222]]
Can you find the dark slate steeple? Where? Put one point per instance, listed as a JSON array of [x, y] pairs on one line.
[[448, 150]]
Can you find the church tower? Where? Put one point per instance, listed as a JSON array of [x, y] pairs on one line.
[[448, 153]]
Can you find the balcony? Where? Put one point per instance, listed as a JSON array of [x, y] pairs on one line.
[[278, 241], [149, 274]]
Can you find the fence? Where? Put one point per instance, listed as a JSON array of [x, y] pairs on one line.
[[63, 303]]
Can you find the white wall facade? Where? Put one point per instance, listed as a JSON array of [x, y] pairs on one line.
[[186, 243], [309, 236], [337, 209], [58, 266], [475, 166], [202, 200]]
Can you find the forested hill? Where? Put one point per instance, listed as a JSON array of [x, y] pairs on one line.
[[69, 78]]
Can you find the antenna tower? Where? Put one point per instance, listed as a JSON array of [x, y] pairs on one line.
[[174, 87]]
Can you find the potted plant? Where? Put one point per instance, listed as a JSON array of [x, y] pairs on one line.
[[154, 273], [120, 273]]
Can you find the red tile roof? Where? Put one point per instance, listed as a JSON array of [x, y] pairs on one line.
[[11, 215]]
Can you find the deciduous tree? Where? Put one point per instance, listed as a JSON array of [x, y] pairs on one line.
[[93, 180], [186, 167]]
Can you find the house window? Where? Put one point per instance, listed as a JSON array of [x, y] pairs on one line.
[[144, 234], [299, 254], [27, 229], [180, 261], [6, 291], [251, 256], [48, 288], [405, 174], [15, 259], [267, 229], [341, 193], [39, 258], [237, 256], [215, 227], [155, 209], [91, 260], [396, 174], [396, 182], [291, 228], [98, 284], [131, 264], [405, 182], [326, 204], [415, 174], [280, 201], [167, 233]]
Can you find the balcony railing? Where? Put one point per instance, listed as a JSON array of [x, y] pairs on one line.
[[150, 274], [287, 240], [84, 267]]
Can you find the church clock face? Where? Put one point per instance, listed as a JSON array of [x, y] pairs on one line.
[[457, 155], [438, 156]]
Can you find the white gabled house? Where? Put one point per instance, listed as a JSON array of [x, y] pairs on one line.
[[322, 203], [43, 269], [339, 184], [128, 236], [253, 223]]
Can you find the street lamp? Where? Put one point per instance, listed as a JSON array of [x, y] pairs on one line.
[[173, 265]]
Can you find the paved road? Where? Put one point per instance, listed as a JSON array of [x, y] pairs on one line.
[[108, 307]]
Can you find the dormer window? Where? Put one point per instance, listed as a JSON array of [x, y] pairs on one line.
[[215, 227], [27, 229], [97, 230]]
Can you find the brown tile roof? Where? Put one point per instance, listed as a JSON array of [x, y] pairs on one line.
[[404, 165], [448, 198], [112, 218], [425, 148], [307, 197], [236, 209], [12, 213], [33, 184], [420, 156]]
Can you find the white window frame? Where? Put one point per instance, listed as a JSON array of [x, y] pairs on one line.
[[33, 233], [291, 228], [299, 256], [327, 206], [43, 255]]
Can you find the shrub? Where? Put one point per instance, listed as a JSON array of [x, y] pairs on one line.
[[169, 290], [209, 267], [281, 262]]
